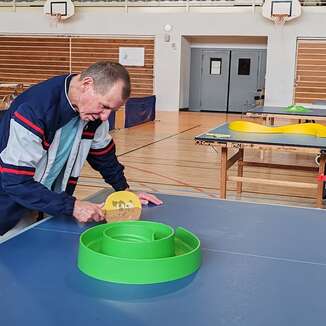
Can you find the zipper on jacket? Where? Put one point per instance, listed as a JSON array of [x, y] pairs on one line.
[[46, 166]]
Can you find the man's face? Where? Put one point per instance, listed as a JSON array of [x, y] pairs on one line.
[[92, 105]]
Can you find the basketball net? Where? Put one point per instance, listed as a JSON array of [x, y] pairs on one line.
[[55, 19], [279, 19]]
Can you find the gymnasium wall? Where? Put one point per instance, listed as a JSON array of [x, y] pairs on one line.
[[171, 59], [27, 60], [184, 73], [311, 71]]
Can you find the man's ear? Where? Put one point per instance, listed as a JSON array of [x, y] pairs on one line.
[[86, 83]]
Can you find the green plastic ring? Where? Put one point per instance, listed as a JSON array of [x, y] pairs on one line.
[[185, 257], [134, 240]]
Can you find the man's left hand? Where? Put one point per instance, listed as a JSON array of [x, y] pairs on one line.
[[148, 198]]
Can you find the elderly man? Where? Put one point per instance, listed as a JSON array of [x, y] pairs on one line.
[[46, 136]]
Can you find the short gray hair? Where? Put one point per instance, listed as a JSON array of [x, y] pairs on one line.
[[105, 74]]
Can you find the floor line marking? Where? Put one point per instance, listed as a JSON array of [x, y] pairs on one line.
[[266, 257]]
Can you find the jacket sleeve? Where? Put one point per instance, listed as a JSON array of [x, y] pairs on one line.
[[102, 157], [26, 146]]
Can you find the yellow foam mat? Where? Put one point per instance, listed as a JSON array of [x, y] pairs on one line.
[[311, 129]]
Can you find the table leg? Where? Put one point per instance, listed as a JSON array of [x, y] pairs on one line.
[[240, 171], [223, 172], [320, 183], [272, 121]]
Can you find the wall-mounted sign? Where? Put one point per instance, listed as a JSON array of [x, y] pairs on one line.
[[132, 56]]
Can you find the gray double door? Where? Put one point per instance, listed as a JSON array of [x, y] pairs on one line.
[[225, 80]]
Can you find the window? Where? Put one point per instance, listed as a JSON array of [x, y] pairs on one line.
[[215, 66], [244, 66]]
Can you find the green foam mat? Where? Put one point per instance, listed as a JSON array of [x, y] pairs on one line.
[[297, 109]]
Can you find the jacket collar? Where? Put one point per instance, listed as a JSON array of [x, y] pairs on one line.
[[67, 112]]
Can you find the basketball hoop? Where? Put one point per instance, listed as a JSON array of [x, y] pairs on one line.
[[281, 11], [279, 19], [58, 10]]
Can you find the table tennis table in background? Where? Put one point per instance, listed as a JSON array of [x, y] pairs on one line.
[[316, 113], [262, 265], [225, 139]]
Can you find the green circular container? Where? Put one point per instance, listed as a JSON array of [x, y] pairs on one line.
[[185, 259], [133, 240]]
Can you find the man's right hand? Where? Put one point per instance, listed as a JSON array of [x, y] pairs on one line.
[[85, 211]]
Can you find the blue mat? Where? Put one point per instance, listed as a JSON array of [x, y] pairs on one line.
[[139, 110]]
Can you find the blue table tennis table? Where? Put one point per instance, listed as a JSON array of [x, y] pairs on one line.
[[272, 112], [225, 139], [262, 265]]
